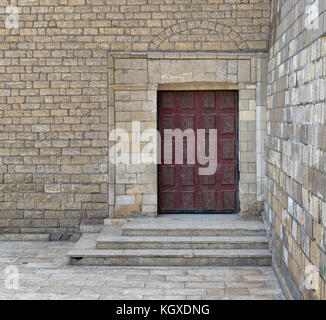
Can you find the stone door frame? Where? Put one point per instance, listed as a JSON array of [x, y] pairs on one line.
[[135, 79]]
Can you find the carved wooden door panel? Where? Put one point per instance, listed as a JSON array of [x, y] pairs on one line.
[[181, 188]]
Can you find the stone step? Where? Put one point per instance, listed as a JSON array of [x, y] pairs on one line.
[[107, 241], [85, 253], [137, 229]]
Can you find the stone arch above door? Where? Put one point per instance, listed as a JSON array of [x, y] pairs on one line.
[[208, 35]]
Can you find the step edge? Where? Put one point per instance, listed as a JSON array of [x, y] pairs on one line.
[[103, 253]]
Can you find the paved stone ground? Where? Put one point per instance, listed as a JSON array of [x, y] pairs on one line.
[[45, 274]]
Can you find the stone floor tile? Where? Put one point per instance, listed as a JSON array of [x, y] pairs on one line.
[[187, 292], [171, 297], [124, 284], [165, 285], [216, 297], [199, 297], [100, 290], [262, 291], [237, 291], [68, 276], [145, 291], [120, 297], [34, 296], [6, 296], [59, 289], [252, 297], [204, 284], [77, 297], [215, 292], [239, 284], [185, 278], [168, 272], [256, 277], [147, 277]]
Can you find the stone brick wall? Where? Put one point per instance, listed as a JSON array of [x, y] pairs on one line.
[[296, 146], [54, 93]]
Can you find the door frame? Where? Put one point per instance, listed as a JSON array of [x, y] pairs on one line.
[[157, 71]]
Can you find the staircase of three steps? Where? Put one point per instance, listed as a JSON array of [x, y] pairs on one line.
[[174, 242]]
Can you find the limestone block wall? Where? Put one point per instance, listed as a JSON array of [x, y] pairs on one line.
[[54, 94], [296, 146]]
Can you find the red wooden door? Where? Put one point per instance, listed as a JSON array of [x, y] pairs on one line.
[[181, 188]]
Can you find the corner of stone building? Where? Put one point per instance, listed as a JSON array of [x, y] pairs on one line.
[[295, 150]]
